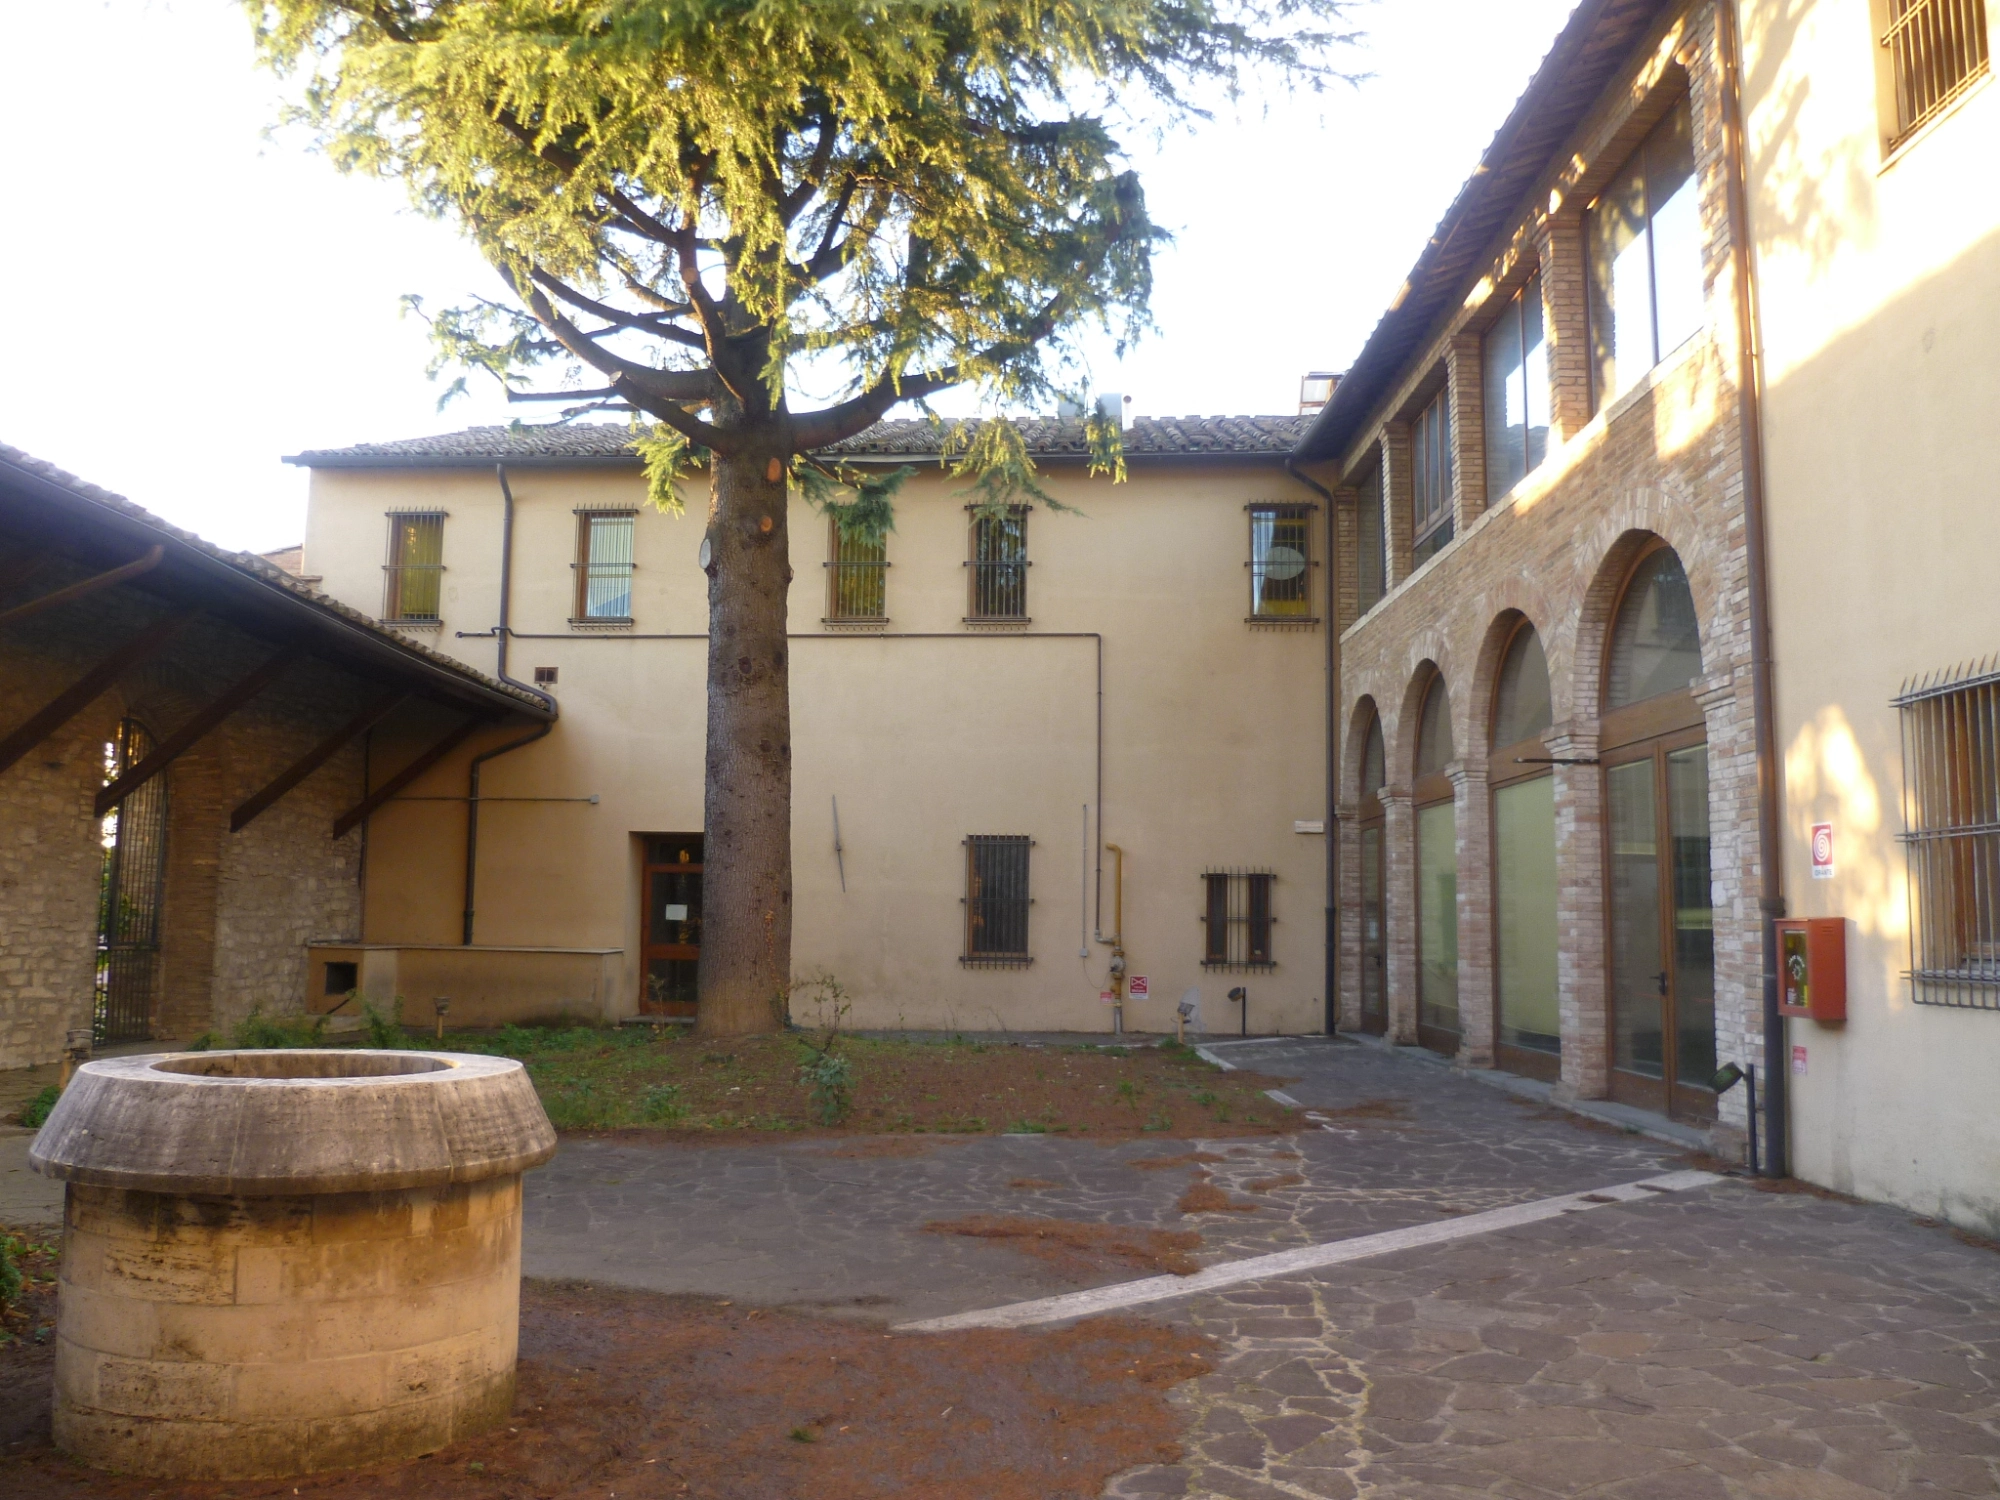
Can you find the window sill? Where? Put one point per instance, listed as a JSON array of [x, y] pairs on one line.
[[1893, 154], [1294, 622], [424, 625], [1219, 967], [602, 622], [997, 961], [855, 622], [999, 621]]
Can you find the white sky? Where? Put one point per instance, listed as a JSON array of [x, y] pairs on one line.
[[188, 301]]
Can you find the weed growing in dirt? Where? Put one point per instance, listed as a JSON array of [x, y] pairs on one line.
[[662, 1104], [10, 1270], [824, 1071], [37, 1109], [260, 1031], [383, 1031]]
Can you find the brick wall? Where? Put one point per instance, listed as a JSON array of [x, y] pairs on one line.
[[1663, 462]]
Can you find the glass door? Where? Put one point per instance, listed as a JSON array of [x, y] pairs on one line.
[[1662, 930], [671, 957], [1374, 979], [1437, 927]]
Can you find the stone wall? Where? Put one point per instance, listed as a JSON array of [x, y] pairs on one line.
[[238, 909]]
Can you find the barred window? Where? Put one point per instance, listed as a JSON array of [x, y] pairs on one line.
[[996, 900], [1430, 474], [1937, 50], [1238, 919], [604, 565], [999, 566], [857, 576], [1281, 562], [1951, 839], [414, 573]]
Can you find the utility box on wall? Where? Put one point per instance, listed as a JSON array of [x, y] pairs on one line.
[[1812, 967]]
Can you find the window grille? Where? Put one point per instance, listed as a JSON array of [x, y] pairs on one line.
[[857, 576], [1951, 838], [131, 893], [1430, 473], [1937, 50], [414, 573], [996, 900], [1238, 920], [1281, 562], [999, 566], [604, 565]]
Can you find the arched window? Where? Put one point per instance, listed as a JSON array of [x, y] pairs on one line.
[[1374, 762], [1434, 747], [1655, 642], [1521, 707]]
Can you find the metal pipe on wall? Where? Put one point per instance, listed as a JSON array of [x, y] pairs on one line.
[[1332, 822], [1749, 415]]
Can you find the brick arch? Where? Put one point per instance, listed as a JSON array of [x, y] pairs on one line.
[[163, 695], [1409, 720], [1363, 714], [1486, 670], [1631, 524]]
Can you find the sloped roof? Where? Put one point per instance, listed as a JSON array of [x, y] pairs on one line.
[[250, 590], [591, 443], [1587, 54]]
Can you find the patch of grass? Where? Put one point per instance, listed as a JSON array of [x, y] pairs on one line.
[[383, 1031], [803, 1435], [37, 1109]]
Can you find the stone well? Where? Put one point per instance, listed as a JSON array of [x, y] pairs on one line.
[[277, 1262]]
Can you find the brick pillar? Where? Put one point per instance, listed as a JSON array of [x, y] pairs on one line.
[[1398, 491], [1735, 880], [1350, 917], [1399, 912], [1468, 430], [1472, 808], [1344, 566], [1582, 987], [1565, 324]]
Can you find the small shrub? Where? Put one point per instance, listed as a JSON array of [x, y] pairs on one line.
[[208, 1041], [36, 1110], [10, 1271], [662, 1103], [258, 1030], [828, 1078], [384, 1031]]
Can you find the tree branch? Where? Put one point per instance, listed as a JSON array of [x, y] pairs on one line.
[[620, 320]]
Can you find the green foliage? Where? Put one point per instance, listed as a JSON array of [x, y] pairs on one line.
[[861, 504], [829, 1080], [691, 200], [36, 1110], [11, 1251], [258, 1030], [669, 458], [994, 456], [662, 1104], [383, 1030], [208, 1041]]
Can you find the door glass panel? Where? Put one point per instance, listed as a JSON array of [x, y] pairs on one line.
[[1694, 917], [1374, 1007], [676, 908], [1437, 916], [671, 981], [1637, 963], [1524, 838]]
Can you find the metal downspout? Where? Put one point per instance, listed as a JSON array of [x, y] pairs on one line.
[[1332, 753], [1749, 419], [503, 632]]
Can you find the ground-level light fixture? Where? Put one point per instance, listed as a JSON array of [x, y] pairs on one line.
[[441, 1005], [1242, 997], [1726, 1078]]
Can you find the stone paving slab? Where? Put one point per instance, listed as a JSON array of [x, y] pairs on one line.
[[26, 1198]]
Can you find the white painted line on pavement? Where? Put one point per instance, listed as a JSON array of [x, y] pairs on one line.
[[1106, 1299]]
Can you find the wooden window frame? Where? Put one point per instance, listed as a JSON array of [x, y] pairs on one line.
[[1301, 512], [395, 572], [1431, 464], [585, 570], [1503, 770], [839, 569]]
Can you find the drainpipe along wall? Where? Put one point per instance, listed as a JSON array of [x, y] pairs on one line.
[[503, 632], [1332, 750], [1771, 901]]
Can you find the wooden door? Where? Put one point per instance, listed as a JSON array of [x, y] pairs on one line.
[[671, 942]]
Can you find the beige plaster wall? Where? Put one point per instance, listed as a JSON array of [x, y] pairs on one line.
[[1213, 740], [1879, 296]]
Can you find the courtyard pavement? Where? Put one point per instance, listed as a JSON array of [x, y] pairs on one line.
[[1716, 1343]]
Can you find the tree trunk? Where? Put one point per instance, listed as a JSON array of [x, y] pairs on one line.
[[746, 939]]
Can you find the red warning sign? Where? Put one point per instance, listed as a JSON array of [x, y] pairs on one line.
[[1138, 989]]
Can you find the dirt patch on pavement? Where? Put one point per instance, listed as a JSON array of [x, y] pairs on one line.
[[1272, 1184], [1082, 1249], [1368, 1109], [1030, 1184], [27, 1343], [678, 1398], [869, 1148], [1204, 1197]]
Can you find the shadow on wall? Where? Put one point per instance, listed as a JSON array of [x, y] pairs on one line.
[[1828, 778]]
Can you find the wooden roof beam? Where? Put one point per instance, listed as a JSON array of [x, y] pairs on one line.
[[86, 586], [80, 694], [198, 724], [316, 757], [358, 813]]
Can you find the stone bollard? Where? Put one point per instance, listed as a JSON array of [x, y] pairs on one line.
[[286, 1261]]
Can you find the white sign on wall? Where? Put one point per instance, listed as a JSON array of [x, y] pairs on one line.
[[1822, 851]]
